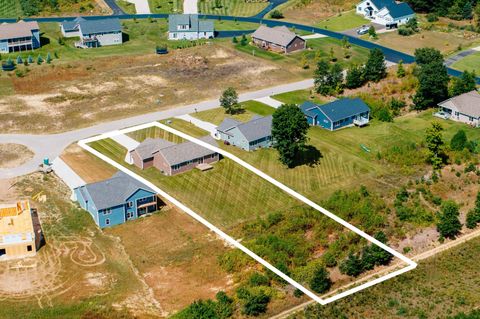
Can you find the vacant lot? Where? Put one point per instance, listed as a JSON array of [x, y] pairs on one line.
[[343, 21], [312, 12], [13, 155], [166, 6], [239, 8], [469, 63], [251, 108], [441, 286], [10, 9]]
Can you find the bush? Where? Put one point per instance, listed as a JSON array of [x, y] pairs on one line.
[[276, 14], [449, 225], [254, 302], [352, 266], [257, 279], [403, 30], [432, 17], [320, 282], [459, 141], [473, 218], [384, 115]]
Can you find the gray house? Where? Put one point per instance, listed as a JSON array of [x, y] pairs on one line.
[[463, 108], [248, 136], [189, 27], [93, 32], [278, 39], [20, 36]]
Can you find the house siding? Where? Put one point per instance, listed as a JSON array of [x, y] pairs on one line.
[[104, 39], [296, 45], [188, 167], [380, 15], [115, 216], [3, 46], [189, 35], [458, 116]]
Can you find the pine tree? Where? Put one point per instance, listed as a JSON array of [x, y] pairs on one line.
[[355, 77], [375, 68], [400, 70], [449, 225], [435, 145], [49, 58], [320, 282]]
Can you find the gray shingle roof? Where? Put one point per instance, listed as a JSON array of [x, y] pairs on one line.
[[20, 29], [255, 129], [337, 110], [151, 145], [72, 25], [398, 10], [196, 24], [100, 26], [277, 35], [114, 191], [186, 151], [467, 103]]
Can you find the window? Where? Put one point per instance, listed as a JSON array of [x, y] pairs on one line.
[[129, 204], [107, 221], [29, 248], [107, 211], [129, 215]]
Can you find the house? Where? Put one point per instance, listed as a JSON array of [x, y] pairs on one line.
[[278, 39], [337, 114], [93, 32], [248, 136], [171, 158], [116, 200], [20, 36], [386, 12], [463, 108], [189, 27], [17, 231]]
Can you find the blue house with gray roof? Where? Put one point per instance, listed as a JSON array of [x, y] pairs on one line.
[[93, 32], [189, 27], [116, 200], [337, 114], [249, 136], [386, 12]]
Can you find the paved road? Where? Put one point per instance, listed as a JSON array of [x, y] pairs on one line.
[[451, 60], [115, 8], [52, 146], [190, 6]]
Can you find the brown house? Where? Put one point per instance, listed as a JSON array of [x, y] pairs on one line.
[[171, 158], [278, 39]]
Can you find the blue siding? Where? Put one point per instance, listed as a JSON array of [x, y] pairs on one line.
[[3, 46], [36, 39], [86, 203], [138, 198], [114, 216]]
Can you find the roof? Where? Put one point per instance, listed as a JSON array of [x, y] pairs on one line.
[[338, 109], [398, 10], [186, 151], [467, 103], [255, 129], [278, 35], [114, 191], [380, 4], [196, 24], [149, 146], [15, 219], [72, 25], [100, 26], [18, 30]]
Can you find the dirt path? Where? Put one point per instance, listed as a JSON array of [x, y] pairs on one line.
[[419, 257]]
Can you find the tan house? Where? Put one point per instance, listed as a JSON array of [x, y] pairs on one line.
[[278, 39], [171, 158], [17, 232], [462, 108]]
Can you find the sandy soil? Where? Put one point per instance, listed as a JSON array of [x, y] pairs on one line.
[[13, 155]]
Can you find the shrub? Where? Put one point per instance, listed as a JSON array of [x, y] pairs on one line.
[[320, 282], [449, 225], [276, 14], [352, 266], [403, 30], [257, 279], [459, 141], [254, 302], [473, 218], [329, 259], [384, 115], [432, 17]]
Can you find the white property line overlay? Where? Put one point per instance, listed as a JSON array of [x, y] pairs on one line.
[[411, 264]]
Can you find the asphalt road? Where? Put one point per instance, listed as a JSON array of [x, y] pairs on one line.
[[115, 8], [53, 145]]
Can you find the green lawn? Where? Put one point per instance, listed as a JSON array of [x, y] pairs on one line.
[[10, 9], [240, 8], [345, 21], [126, 6], [216, 116], [224, 25], [469, 63], [155, 132], [298, 97], [166, 6]]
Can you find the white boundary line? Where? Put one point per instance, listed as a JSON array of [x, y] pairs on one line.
[[411, 264]]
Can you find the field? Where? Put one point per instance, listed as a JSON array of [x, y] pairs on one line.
[[240, 8], [441, 286], [127, 7], [344, 21], [469, 63], [166, 6], [252, 108], [298, 97], [314, 11], [224, 25], [10, 9]]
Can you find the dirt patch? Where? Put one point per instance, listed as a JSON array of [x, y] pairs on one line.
[[13, 155], [315, 10]]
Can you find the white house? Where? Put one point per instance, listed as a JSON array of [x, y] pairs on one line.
[[463, 108], [189, 27], [93, 32], [386, 12]]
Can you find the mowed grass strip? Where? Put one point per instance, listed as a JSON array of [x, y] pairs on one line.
[[239, 8], [178, 124], [252, 108], [469, 63]]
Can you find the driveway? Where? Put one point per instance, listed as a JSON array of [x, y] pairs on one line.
[[114, 6], [451, 60], [129, 143], [207, 126], [68, 176], [141, 6], [270, 102], [353, 32], [52, 146], [190, 6]]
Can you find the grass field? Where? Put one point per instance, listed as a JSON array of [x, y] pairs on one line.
[[216, 116], [240, 8], [166, 6], [10, 9], [440, 287], [469, 63], [224, 25], [126, 6], [344, 21], [300, 96]]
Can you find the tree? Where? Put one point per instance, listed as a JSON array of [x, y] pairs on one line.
[[199, 309], [400, 70], [332, 55], [435, 145], [229, 101], [372, 32], [384, 115], [224, 305], [304, 61], [289, 132], [459, 141], [320, 282], [39, 59], [412, 24], [355, 77], [254, 302], [328, 78], [234, 40], [218, 4], [427, 56], [433, 85], [352, 266], [464, 84], [276, 14], [449, 225], [473, 218], [244, 40], [375, 68], [49, 58], [19, 60]]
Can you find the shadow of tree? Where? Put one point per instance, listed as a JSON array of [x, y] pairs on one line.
[[309, 156]]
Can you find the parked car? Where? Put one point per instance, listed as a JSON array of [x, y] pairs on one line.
[[363, 30]]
